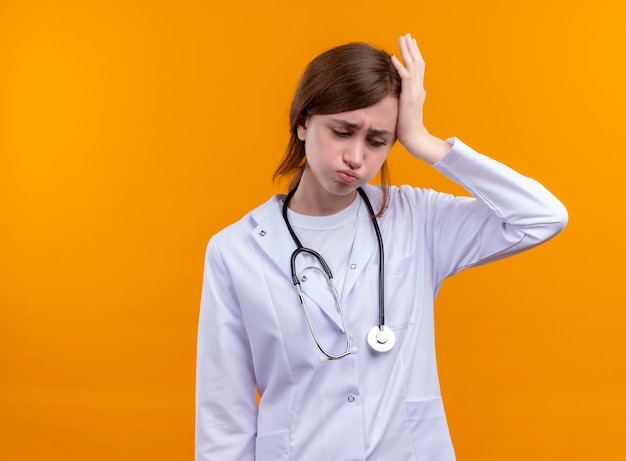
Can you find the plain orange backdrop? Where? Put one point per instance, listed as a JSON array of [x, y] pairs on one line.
[[131, 131]]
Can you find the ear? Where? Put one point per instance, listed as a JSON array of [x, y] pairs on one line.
[[301, 127]]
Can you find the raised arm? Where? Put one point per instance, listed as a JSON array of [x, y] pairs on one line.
[[509, 212]]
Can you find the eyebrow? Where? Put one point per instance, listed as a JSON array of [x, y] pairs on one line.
[[348, 124]]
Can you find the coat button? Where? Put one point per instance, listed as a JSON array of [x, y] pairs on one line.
[[303, 278], [351, 398], [262, 233], [352, 266]]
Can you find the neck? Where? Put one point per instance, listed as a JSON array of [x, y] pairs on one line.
[[313, 200], [313, 203]]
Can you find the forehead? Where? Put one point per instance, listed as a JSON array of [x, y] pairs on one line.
[[381, 116]]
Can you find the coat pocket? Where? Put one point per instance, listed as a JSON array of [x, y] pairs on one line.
[[273, 446], [429, 430]]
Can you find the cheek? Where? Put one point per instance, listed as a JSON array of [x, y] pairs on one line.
[[375, 164], [379, 158], [322, 148], [327, 145]]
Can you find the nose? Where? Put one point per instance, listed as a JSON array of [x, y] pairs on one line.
[[353, 154]]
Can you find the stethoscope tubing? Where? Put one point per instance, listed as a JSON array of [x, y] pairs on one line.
[[381, 257], [381, 277]]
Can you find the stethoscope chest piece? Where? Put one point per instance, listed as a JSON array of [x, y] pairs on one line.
[[381, 338]]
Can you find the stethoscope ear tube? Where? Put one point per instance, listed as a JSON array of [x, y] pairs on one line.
[[328, 355], [326, 358]]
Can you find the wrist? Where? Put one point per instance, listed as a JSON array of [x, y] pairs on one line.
[[426, 147]]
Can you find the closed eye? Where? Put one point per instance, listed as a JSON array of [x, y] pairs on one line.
[[377, 142], [342, 134]]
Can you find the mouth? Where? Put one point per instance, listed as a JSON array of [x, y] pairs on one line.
[[347, 177]]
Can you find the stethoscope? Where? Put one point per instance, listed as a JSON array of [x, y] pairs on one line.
[[380, 338]]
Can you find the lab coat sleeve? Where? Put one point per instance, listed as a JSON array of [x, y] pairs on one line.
[[226, 408], [508, 213]]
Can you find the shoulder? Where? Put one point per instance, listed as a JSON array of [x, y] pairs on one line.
[[405, 199], [239, 232]]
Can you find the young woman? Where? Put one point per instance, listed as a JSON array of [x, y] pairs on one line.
[[322, 299]]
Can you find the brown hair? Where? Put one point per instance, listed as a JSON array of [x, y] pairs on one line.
[[342, 79]]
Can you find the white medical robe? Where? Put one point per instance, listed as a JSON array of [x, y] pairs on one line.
[[367, 406]]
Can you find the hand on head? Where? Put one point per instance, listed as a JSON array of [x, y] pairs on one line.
[[410, 130]]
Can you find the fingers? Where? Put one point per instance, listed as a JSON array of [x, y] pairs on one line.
[[412, 64], [410, 51], [404, 49], [399, 67], [411, 71], [410, 109]]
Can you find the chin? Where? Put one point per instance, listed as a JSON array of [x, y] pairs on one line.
[[344, 189]]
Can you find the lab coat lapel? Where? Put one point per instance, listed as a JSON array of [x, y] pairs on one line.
[[364, 249], [271, 234]]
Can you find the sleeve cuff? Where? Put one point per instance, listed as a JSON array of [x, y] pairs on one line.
[[459, 148]]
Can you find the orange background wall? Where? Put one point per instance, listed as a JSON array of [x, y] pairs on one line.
[[130, 131]]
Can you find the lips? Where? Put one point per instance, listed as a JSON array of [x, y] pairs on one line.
[[347, 177]]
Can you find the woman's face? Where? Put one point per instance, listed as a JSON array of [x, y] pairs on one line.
[[345, 151]]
